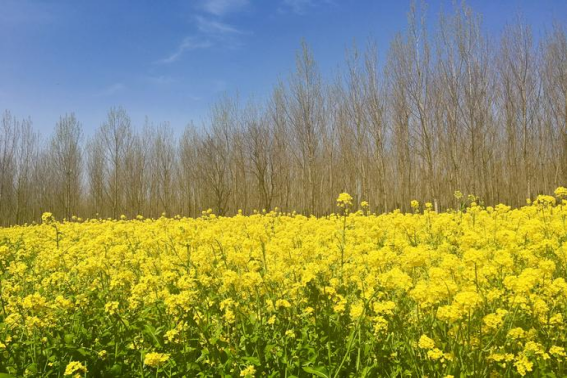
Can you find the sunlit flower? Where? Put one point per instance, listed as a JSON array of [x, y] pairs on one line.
[[249, 371], [154, 359], [75, 367], [344, 200]]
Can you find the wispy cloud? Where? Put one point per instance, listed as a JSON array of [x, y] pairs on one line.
[[301, 7], [111, 90], [210, 29], [222, 7], [210, 26], [222, 34], [188, 44]]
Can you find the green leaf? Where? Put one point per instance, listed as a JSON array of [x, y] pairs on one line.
[[116, 370], [84, 352], [150, 331], [367, 371], [69, 338], [126, 323], [6, 375], [32, 368], [269, 348], [252, 360], [318, 371]]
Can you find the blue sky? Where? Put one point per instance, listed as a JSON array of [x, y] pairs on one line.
[[169, 60]]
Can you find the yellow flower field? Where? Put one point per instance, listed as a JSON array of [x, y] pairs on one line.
[[471, 292]]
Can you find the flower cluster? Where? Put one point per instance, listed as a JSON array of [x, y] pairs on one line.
[[155, 359], [477, 291], [344, 200]]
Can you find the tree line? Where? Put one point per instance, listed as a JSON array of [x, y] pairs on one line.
[[454, 109]]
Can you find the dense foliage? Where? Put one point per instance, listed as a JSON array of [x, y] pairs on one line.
[[475, 291]]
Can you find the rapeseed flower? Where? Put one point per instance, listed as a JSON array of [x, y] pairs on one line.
[[344, 200], [75, 368], [425, 342], [249, 371], [208, 290], [155, 359]]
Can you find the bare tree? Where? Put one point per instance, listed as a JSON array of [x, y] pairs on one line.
[[9, 139], [66, 163], [163, 163], [554, 80], [116, 136], [137, 177], [216, 151], [190, 180], [399, 114], [96, 176], [305, 108], [520, 96], [450, 108]]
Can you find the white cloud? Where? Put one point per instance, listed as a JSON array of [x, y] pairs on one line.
[[188, 44], [222, 7], [209, 26], [211, 30]]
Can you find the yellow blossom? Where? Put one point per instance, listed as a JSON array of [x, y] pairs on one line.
[[249, 371], [425, 342], [344, 200], [155, 359], [111, 308], [523, 365], [75, 367]]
